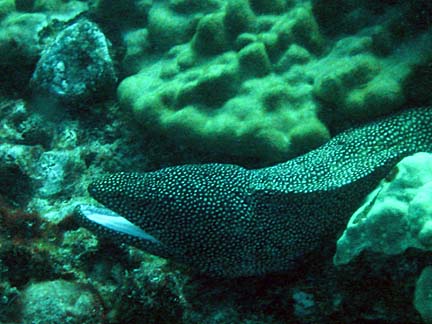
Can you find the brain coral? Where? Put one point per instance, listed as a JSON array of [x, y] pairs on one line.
[[260, 81]]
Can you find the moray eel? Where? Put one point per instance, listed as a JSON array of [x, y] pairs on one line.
[[224, 220]]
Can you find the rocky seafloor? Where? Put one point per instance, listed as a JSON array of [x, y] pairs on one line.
[[101, 86]]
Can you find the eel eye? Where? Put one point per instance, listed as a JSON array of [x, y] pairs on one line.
[[91, 190]]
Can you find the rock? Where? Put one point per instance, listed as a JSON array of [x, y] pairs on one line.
[[396, 216], [423, 296], [76, 67], [6, 7], [60, 301], [20, 47]]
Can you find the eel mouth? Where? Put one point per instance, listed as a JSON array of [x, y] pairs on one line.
[[109, 219]]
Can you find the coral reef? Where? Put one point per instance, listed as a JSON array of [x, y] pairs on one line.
[[167, 28], [204, 94]]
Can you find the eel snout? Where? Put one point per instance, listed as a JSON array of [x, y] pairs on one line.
[[106, 218]]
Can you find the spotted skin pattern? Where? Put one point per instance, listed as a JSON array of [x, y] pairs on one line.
[[224, 220]]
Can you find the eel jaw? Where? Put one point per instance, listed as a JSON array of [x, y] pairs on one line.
[[109, 219]]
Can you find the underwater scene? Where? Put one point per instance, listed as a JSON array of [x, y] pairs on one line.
[[215, 161]]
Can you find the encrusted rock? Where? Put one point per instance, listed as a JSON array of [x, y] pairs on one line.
[[77, 66]]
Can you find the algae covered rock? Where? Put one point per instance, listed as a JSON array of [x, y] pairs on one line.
[[19, 40], [77, 66], [6, 7], [60, 301], [423, 295], [17, 185], [396, 216]]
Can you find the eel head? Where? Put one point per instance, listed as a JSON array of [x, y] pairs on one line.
[[193, 214]]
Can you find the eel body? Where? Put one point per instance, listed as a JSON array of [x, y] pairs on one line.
[[225, 220]]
